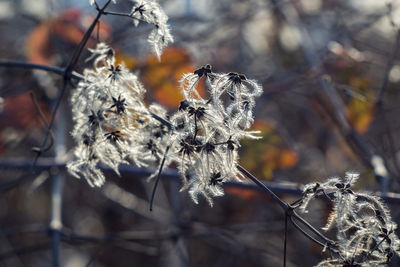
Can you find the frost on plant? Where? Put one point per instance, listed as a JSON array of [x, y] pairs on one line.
[[364, 228]]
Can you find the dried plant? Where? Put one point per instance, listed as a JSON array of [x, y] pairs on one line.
[[364, 228], [113, 125]]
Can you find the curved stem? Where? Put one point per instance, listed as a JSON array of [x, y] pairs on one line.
[[305, 233], [158, 178], [310, 227], [26, 65], [283, 204], [42, 117], [288, 210], [72, 63], [286, 207], [50, 125], [123, 15], [68, 70]]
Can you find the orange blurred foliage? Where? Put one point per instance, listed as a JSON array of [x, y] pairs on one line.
[[162, 78], [346, 66], [360, 112], [69, 27], [19, 112], [262, 157], [244, 193], [130, 62]]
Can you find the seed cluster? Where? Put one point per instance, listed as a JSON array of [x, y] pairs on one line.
[[114, 126], [365, 229]]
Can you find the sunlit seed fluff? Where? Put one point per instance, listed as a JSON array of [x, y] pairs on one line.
[[207, 134], [151, 12], [364, 229], [108, 112]]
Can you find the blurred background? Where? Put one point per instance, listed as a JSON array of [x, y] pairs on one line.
[[330, 71]]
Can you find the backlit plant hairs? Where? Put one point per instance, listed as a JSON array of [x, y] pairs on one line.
[[113, 126]]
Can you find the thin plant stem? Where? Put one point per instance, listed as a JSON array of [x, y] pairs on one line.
[[50, 125], [43, 119], [158, 178], [305, 233], [74, 59], [71, 65], [281, 203], [310, 227], [288, 209], [123, 15], [26, 65]]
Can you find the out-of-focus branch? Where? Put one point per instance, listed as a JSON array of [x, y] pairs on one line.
[[75, 57], [43, 119], [379, 103], [56, 223], [289, 212], [388, 68], [277, 188], [132, 202], [26, 65], [355, 140], [25, 250], [66, 75]]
